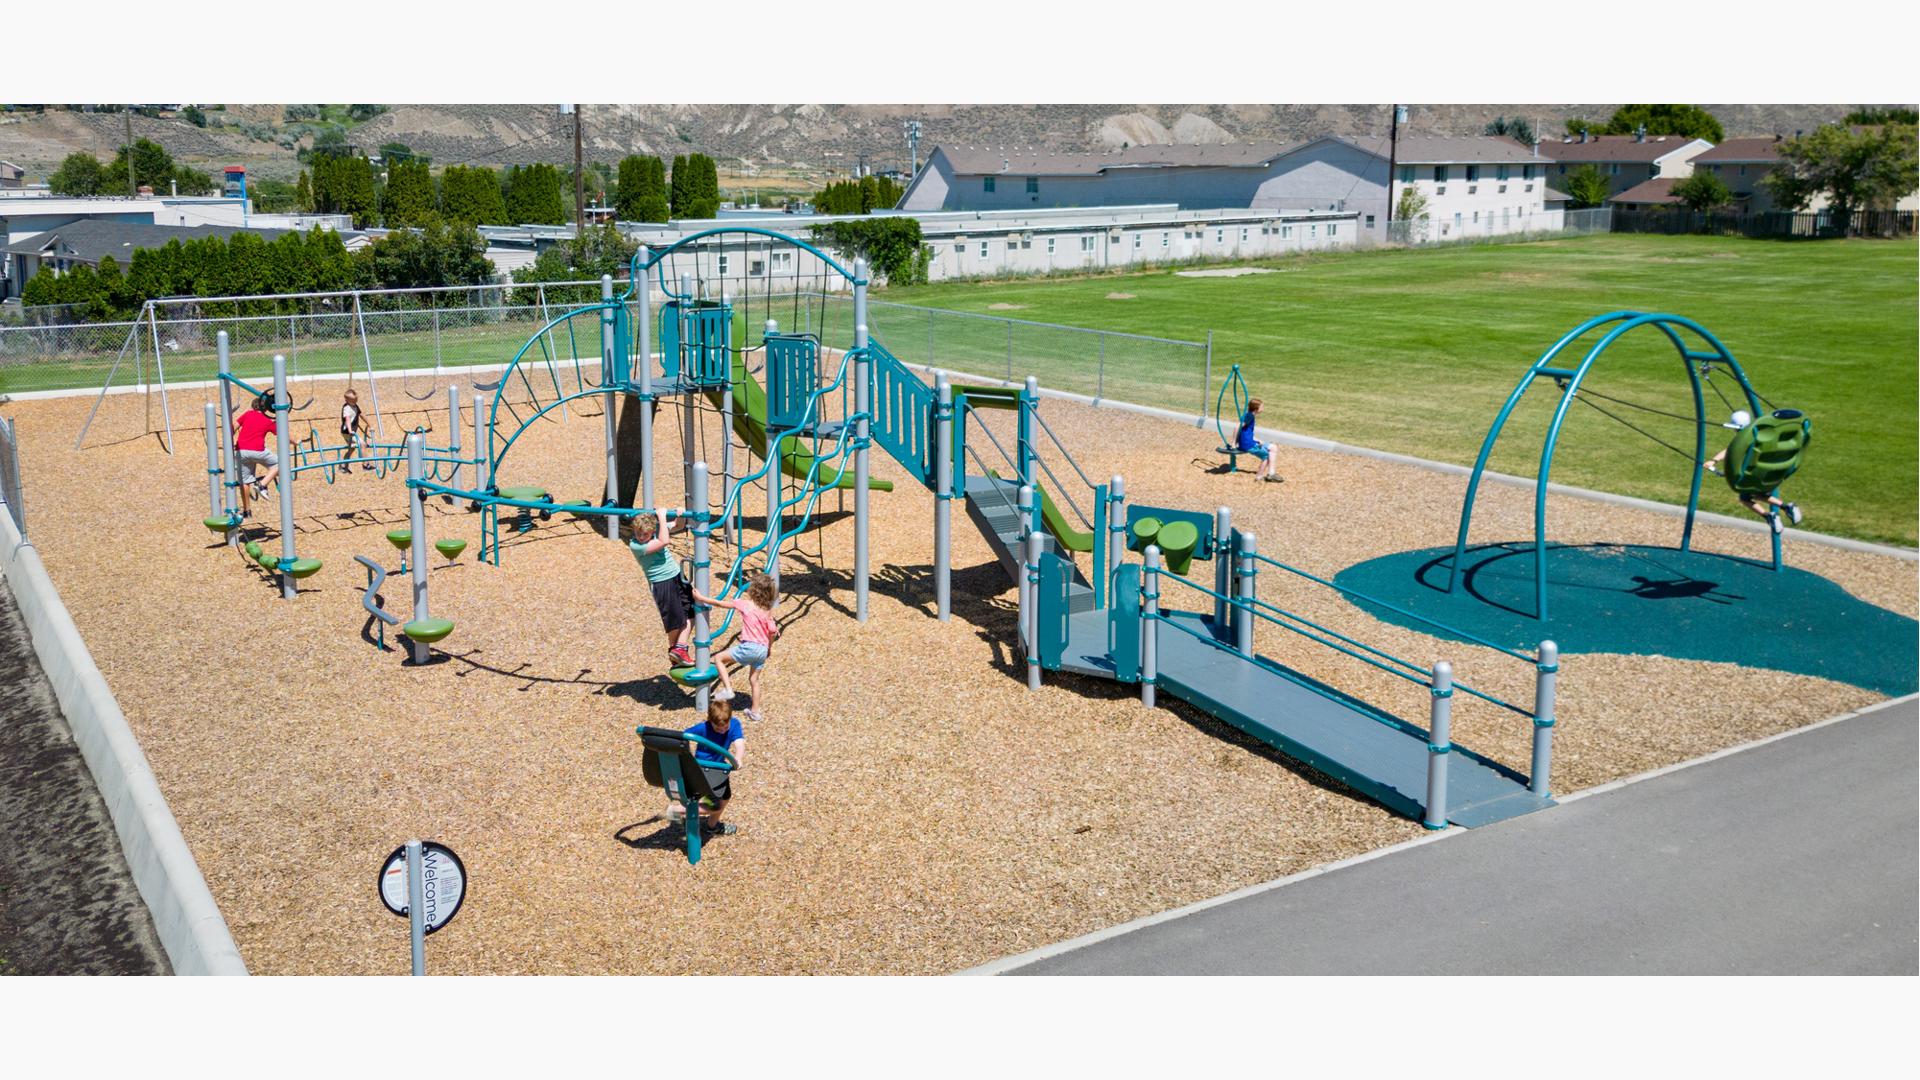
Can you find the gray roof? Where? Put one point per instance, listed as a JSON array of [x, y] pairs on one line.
[[90, 241], [1029, 161], [1765, 149], [1447, 149], [1612, 148]]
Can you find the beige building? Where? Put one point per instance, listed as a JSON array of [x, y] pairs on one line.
[[1627, 160]]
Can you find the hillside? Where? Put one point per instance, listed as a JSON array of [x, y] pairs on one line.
[[793, 140]]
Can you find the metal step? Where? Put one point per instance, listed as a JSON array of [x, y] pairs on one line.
[[1001, 526]]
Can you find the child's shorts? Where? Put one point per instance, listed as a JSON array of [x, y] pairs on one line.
[[751, 653], [1260, 450], [674, 598], [264, 458]]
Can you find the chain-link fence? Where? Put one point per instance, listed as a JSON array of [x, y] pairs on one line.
[[1101, 364], [1489, 228], [10, 492]]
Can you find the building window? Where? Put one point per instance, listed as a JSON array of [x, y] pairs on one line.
[[1313, 231], [1743, 170], [1136, 241], [1476, 217], [1441, 190], [1333, 229], [1473, 189], [1500, 172], [1243, 235], [1219, 236], [756, 267], [1049, 245], [989, 183], [724, 259], [983, 249], [1369, 221], [783, 262], [1026, 243], [1613, 169], [1503, 189], [1286, 231], [1526, 172], [1473, 173], [1406, 174], [1086, 243], [960, 248], [1529, 187], [1166, 239], [1439, 174], [1033, 185], [1563, 170], [1456, 219]]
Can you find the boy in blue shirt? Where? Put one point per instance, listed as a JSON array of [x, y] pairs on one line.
[[719, 727], [1244, 442]]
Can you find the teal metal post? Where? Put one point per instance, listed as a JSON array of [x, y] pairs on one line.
[[943, 497], [702, 636], [1023, 445], [1036, 543], [1439, 746], [230, 501], [1149, 625], [643, 362], [1548, 667], [1100, 567], [1025, 506], [862, 439], [282, 417], [607, 408]]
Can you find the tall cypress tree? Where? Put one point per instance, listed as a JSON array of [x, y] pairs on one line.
[[680, 188], [408, 198]]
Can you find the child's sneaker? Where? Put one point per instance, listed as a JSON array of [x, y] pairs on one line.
[[1793, 513], [725, 828], [1774, 520], [721, 693], [680, 654], [752, 715]]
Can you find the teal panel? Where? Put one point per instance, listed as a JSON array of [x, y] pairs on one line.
[[1056, 577]]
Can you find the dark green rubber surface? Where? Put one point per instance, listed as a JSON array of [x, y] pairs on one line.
[[1653, 601]]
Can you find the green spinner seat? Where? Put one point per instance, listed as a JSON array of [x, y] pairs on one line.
[[221, 525], [303, 568], [400, 538], [428, 631], [688, 675], [1142, 535], [1177, 540], [450, 548], [1766, 452]]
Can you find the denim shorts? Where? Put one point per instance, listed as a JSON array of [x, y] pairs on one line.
[[751, 653], [1259, 450]]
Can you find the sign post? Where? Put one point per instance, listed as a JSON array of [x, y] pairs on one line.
[[426, 882]]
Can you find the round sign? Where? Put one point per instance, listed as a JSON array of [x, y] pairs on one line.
[[443, 883]]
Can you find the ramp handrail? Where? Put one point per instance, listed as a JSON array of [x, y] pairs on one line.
[[1435, 623]]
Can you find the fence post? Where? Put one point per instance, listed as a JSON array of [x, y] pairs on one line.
[[1438, 746], [1243, 611], [1206, 383], [1009, 379], [1543, 691], [1149, 625]]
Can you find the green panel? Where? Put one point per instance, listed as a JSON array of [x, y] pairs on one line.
[[1123, 623]]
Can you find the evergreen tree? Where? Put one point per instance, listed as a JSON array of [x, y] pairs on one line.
[[79, 174], [408, 198], [680, 189], [1690, 121], [653, 193], [1587, 186], [303, 194], [472, 194], [706, 186], [631, 190]]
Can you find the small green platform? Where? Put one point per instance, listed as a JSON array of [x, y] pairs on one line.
[[428, 631]]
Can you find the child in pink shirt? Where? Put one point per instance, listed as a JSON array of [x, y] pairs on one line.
[[757, 631]]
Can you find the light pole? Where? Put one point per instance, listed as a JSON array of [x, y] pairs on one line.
[[1393, 158], [913, 147]]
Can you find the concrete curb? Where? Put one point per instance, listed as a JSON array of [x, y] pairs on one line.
[[1309, 442], [184, 913]]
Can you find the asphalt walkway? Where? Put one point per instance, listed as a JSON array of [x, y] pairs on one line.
[[1795, 856]]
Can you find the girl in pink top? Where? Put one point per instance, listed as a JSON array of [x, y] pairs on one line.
[[757, 631]]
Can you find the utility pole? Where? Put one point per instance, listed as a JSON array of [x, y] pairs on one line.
[[579, 177], [133, 192], [1393, 158], [913, 147]]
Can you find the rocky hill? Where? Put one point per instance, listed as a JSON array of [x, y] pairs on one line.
[[811, 140]]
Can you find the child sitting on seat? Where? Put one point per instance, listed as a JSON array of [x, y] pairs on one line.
[[353, 427], [757, 631], [1244, 442], [647, 538], [720, 727], [1767, 506], [250, 446]]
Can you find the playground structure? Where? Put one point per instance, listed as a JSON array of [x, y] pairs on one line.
[[1761, 458]]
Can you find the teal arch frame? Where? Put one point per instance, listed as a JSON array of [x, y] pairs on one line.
[[1693, 360]]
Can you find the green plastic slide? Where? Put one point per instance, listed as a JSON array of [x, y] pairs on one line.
[[796, 454], [1056, 522]]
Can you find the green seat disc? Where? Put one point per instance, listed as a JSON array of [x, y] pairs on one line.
[[303, 568], [428, 630], [400, 537], [687, 675], [450, 548], [1177, 540], [218, 524], [1144, 531], [524, 494]]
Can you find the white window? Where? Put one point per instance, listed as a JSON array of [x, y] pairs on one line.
[[1026, 243], [1333, 229], [960, 248], [1086, 243], [1441, 190], [1049, 245], [724, 259], [1456, 219], [1286, 231], [783, 262], [1503, 189], [1473, 189], [1476, 217], [756, 267], [1243, 235], [1136, 241], [1369, 221], [1220, 236], [1166, 239], [1313, 231], [983, 249]]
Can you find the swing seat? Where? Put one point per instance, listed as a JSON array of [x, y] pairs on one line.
[[1233, 456], [428, 631], [1766, 452], [450, 548]]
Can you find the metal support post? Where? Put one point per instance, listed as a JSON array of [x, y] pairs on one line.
[[1116, 523], [417, 521], [689, 371], [366, 352], [1019, 558], [643, 363], [702, 528], [862, 465], [417, 905], [1243, 612], [607, 409], [1024, 451], [160, 368], [453, 433], [942, 497], [231, 499], [211, 414], [282, 413], [1222, 567], [1035, 545], [1150, 625], [1548, 667], [1439, 746], [482, 448]]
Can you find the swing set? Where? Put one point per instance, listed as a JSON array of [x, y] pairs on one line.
[[1761, 456]]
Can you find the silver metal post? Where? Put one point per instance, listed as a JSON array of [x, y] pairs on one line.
[[230, 496], [212, 416], [417, 906], [862, 465], [1222, 566], [1019, 558], [943, 498], [1243, 613], [453, 433], [612, 396], [1031, 571], [1116, 538], [282, 411], [1543, 719], [688, 357], [482, 446], [643, 363], [702, 647], [417, 521], [366, 352], [1439, 746], [1150, 625]]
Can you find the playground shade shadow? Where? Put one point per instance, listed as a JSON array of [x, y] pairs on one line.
[[1612, 598]]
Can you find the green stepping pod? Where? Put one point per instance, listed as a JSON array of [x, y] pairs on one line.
[[428, 631], [1177, 539], [303, 568], [685, 675], [1764, 453], [253, 550], [1144, 531], [218, 524], [450, 548], [271, 562], [400, 538]]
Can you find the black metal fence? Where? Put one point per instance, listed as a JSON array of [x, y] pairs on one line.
[[1772, 224]]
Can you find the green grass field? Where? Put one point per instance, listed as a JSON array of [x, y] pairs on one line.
[[1413, 351]]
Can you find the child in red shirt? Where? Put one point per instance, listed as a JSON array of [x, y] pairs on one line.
[[250, 443]]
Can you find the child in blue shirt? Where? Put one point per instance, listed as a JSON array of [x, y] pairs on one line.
[[719, 727], [1244, 442]]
